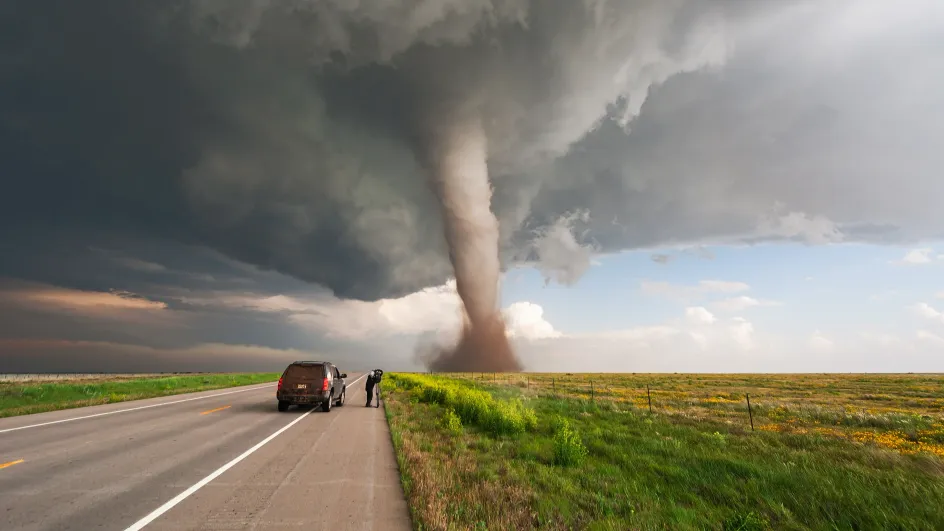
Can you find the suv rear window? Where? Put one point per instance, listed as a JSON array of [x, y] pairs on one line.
[[307, 372]]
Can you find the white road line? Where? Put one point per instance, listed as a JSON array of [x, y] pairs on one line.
[[156, 513], [135, 408]]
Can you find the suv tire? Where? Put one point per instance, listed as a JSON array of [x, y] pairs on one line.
[[341, 398], [326, 405], [283, 405]]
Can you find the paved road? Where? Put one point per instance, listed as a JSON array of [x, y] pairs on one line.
[[216, 460]]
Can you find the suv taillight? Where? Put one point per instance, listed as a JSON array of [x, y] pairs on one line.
[[324, 385], [280, 384]]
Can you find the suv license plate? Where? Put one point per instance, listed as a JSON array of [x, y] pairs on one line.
[[302, 386]]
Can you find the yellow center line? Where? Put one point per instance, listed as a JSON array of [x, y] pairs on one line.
[[215, 410], [11, 463]]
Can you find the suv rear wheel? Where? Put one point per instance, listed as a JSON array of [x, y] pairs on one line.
[[326, 405], [283, 405], [340, 401]]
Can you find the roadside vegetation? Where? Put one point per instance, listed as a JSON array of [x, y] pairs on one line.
[[23, 398], [827, 451]]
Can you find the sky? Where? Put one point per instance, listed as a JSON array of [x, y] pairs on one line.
[[767, 308], [680, 186]]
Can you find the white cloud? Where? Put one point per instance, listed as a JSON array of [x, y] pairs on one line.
[[714, 349], [707, 289], [700, 339], [820, 343], [685, 292], [742, 332], [885, 340], [940, 295], [429, 310], [918, 257], [699, 315], [816, 230], [706, 331], [722, 286], [930, 337], [696, 339], [929, 312], [436, 308], [640, 335], [741, 303], [561, 257], [525, 320], [696, 329]]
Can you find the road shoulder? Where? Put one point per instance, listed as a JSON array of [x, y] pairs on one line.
[[334, 470]]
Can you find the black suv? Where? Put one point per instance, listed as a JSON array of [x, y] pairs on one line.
[[311, 383]]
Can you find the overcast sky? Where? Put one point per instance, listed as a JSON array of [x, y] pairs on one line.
[[681, 185]]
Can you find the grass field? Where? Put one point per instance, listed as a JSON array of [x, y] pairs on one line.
[[837, 452], [23, 398]]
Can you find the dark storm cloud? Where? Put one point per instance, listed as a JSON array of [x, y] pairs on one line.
[[281, 134], [40, 311], [826, 138], [116, 128]]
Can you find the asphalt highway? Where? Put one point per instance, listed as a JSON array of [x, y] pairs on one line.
[[218, 460]]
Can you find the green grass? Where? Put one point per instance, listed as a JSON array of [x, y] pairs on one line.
[[471, 406], [607, 464], [23, 398]]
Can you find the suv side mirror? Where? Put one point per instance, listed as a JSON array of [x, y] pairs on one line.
[[343, 375]]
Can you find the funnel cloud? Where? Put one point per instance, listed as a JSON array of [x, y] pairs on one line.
[[455, 149]]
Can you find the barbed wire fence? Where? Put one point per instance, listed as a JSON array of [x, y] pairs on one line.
[[589, 389]]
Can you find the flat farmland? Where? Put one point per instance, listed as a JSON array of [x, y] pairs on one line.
[[41, 393], [584, 451]]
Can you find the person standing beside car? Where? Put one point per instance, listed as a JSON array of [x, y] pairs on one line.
[[373, 380]]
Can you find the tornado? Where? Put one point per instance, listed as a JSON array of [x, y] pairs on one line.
[[454, 148]]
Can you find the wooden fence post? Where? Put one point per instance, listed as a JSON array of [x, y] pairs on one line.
[[554, 385], [591, 390], [749, 412], [649, 395]]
